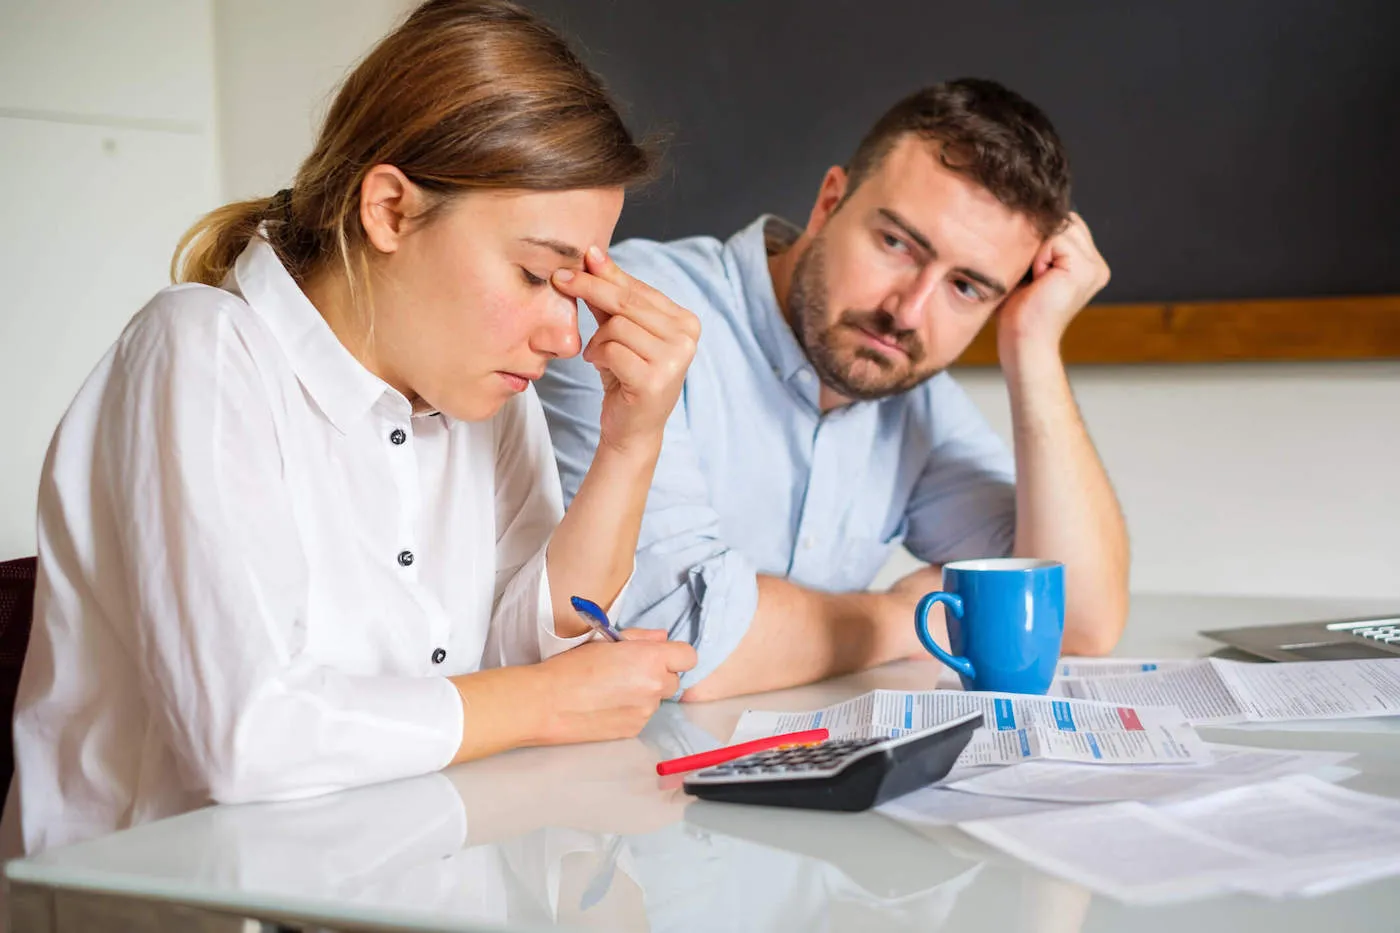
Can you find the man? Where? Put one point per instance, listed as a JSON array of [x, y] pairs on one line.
[[817, 429]]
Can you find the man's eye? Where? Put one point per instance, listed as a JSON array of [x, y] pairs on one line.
[[893, 242], [968, 290], [534, 281]]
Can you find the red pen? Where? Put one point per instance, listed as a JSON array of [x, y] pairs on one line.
[[730, 752]]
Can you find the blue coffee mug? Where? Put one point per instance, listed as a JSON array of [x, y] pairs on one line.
[[1006, 617]]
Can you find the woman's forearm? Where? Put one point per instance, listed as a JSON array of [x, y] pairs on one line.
[[500, 711], [592, 551]]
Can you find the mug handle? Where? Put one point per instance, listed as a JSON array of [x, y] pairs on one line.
[[955, 605]]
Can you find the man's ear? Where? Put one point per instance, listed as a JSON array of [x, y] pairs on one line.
[[388, 202], [829, 197]]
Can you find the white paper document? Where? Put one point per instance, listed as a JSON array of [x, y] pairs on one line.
[[1017, 727], [941, 806], [1230, 766], [1216, 691], [1110, 667], [1291, 836]]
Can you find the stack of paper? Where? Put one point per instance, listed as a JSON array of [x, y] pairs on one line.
[[1037, 786], [1079, 668], [1018, 728], [1230, 766], [1111, 667], [1294, 835], [940, 805], [1216, 691], [1222, 818]]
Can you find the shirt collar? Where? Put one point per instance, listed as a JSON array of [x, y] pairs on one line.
[[337, 382], [750, 249]]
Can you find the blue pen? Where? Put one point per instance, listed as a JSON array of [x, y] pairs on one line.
[[593, 614]]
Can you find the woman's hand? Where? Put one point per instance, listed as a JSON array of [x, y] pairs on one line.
[[592, 693], [643, 347], [608, 690]]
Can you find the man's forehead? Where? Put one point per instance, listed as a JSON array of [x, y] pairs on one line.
[[950, 208]]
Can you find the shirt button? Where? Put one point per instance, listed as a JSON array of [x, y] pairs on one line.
[[405, 558], [804, 375], [439, 656], [808, 543], [397, 437]]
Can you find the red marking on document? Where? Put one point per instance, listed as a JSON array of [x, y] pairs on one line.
[[1130, 719]]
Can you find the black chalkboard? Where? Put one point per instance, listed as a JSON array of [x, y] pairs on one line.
[[1221, 148]]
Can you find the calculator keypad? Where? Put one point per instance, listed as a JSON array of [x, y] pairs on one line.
[[798, 761]]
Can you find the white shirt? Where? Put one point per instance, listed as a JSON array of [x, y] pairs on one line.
[[257, 568]]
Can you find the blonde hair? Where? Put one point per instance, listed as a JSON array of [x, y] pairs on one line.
[[464, 95]]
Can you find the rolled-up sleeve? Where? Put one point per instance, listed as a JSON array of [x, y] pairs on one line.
[[688, 582], [964, 502]]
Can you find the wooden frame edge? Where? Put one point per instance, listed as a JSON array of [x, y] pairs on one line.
[[1257, 330]]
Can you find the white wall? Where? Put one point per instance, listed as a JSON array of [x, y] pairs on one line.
[[1245, 479], [107, 151], [278, 66]]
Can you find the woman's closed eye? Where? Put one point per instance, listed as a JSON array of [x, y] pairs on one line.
[[532, 280]]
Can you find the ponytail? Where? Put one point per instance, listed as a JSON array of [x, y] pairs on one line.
[[208, 250]]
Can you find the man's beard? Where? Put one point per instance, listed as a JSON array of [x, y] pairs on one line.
[[860, 373]]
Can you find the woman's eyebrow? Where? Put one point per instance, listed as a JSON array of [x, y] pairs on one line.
[[563, 249]]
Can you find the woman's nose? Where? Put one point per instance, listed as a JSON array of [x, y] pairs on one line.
[[557, 334]]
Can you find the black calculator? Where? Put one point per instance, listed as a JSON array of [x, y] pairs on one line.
[[839, 774]]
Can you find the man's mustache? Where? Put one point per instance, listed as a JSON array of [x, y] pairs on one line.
[[882, 324]]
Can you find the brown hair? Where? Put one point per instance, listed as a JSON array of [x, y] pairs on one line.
[[987, 132], [464, 95]]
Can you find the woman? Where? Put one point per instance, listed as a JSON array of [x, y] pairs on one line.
[[303, 518]]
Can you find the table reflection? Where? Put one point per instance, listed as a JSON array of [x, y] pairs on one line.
[[584, 837]]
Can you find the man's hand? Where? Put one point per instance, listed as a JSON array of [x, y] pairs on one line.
[[903, 599], [1066, 274]]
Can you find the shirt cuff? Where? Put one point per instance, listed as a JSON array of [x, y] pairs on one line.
[[550, 642], [725, 594], [446, 715]]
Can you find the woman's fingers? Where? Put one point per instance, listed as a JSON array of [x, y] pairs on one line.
[[633, 372], [644, 344], [609, 291], [632, 336], [608, 299], [602, 266]]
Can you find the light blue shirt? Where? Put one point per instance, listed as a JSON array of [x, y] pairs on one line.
[[754, 479]]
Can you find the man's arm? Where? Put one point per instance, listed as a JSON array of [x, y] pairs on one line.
[[799, 635], [1065, 506], [962, 506]]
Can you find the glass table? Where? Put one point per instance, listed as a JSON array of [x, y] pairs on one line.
[[587, 837]]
